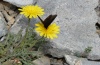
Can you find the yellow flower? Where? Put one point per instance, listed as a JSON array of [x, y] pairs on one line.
[[51, 32], [32, 11]]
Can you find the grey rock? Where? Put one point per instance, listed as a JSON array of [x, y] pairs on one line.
[[69, 60], [97, 9], [93, 57], [54, 51], [3, 26], [2, 38], [20, 3], [86, 62], [72, 60], [65, 64], [77, 20], [42, 61], [55, 61], [20, 24]]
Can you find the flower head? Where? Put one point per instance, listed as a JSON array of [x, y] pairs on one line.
[[50, 32], [32, 11]]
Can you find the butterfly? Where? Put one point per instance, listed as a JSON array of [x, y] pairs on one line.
[[48, 20]]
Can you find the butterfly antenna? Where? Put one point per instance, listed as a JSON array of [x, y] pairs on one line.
[[40, 19]]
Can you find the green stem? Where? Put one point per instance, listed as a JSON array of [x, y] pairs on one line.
[[7, 37], [24, 38]]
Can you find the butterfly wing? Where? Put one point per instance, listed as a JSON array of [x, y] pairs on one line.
[[49, 20]]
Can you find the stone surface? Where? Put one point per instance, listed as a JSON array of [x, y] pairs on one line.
[[86, 62], [42, 61], [20, 3], [77, 20], [56, 61], [72, 60], [56, 52], [65, 64], [20, 24], [93, 57], [11, 62], [3, 28]]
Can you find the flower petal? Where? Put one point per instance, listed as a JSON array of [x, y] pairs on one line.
[[51, 32], [31, 11]]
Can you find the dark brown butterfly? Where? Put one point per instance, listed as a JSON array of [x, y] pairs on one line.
[[48, 20]]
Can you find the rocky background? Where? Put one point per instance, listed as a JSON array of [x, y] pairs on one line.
[[78, 41]]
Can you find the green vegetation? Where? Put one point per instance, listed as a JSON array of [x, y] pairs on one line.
[[85, 53], [88, 49], [20, 50]]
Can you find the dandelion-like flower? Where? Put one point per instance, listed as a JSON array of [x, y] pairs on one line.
[[50, 32], [32, 11]]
